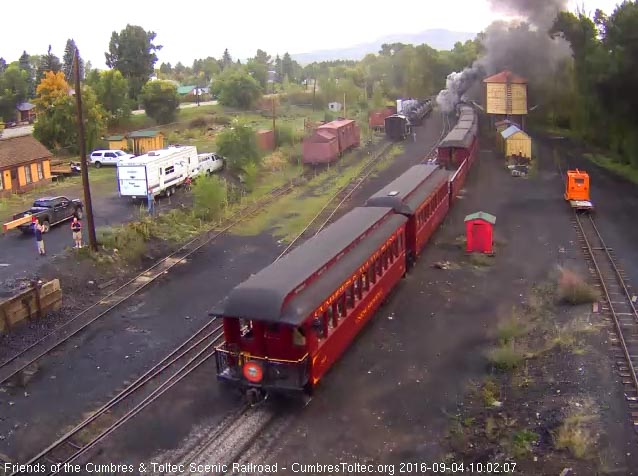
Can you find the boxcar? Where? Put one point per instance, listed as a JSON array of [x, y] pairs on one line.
[[286, 325], [421, 194], [376, 119], [330, 141]]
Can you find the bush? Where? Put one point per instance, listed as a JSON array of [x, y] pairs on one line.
[[209, 197], [198, 122], [328, 117], [286, 135], [572, 289], [249, 175], [506, 357], [239, 145], [292, 153], [129, 240]]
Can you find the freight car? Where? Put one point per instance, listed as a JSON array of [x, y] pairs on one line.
[[330, 141], [288, 324], [376, 119], [397, 127]]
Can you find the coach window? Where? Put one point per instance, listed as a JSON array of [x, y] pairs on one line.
[[299, 337], [364, 281], [353, 289], [319, 326], [372, 276], [359, 286]]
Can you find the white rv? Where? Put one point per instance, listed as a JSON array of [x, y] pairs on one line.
[[158, 172]]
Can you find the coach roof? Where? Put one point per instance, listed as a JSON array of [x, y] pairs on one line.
[[263, 295], [409, 190]]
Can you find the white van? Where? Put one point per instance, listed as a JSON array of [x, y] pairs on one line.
[[209, 163], [159, 172], [108, 157]]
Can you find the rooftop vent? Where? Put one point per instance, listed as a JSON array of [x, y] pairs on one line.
[[394, 193]]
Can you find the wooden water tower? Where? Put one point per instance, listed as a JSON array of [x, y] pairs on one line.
[[506, 98]]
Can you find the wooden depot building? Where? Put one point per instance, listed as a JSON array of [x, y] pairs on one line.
[[24, 164]]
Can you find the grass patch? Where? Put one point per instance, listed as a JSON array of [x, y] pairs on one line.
[[506, 357], [490, 393], [573, 289], [481, 260], [577, 433], [522, 441], [510, 329], [619, 168], [290, 214]]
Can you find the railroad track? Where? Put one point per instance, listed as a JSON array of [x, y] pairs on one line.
[[151, 385], [334, 203], [17, 364], [619, 305]]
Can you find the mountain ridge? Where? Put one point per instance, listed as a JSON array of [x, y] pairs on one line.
[[438, 38]]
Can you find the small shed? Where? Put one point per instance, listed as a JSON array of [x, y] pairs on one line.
[[516, 142], [145, 141], [334, 106], [479, 232], [25, 112], [117, 142]]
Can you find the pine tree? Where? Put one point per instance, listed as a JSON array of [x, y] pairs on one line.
[[67, 60], [25, 65], [49, 62]]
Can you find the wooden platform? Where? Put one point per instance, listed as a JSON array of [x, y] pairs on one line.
[[37, 301]]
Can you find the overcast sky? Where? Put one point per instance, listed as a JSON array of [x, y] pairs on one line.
[[200, 28]]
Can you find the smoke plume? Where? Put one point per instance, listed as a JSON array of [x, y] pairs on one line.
[[524, 47]]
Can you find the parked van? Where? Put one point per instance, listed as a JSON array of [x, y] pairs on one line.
[[209, 163], [158, 172]]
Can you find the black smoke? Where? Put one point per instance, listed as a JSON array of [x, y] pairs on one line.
[[522, 46]]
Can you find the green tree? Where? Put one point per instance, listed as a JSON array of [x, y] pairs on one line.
[[238, 144], [67, 61], [377, 96], [25, 65], [160, 101], [111, 89], [226, 61], [57, 126], [132, 52], [48, 62], [14, 87], [236, 88], [259, 71], [3, 65]]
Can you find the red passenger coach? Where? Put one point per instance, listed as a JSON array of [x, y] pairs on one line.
[[286, 325], [421, 194]]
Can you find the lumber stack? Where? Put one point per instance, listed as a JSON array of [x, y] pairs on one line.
[[37, 301]]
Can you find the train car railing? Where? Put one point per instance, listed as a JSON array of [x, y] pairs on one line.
[[284, 374]]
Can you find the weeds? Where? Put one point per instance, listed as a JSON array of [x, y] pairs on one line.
[[522, 442], [510, 329], [489, 392], [507, 357], [572, 289], [577, 432]]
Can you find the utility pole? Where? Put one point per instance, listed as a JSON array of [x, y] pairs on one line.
[[274, 132], [314, 93], [88, 207], [344, 105]]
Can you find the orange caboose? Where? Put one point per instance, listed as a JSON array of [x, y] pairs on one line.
[[577, 189]]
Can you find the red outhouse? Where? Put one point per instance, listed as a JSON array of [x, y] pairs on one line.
[[479, 229]]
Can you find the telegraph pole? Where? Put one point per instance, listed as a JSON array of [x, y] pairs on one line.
[[88, 207], [274, 132]]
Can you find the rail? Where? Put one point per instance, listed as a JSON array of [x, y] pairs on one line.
[[28, 356], [621, 306], [325, 214], [151, 385]]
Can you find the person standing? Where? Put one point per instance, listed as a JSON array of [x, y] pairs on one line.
[[151, 203], [76, 228], [37, 229]]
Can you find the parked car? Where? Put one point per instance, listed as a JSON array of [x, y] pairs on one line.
[[50, 211], [108, 157], [209, 163]]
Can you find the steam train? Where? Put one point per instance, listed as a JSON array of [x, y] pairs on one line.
[[413, 112], [287, 325]]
